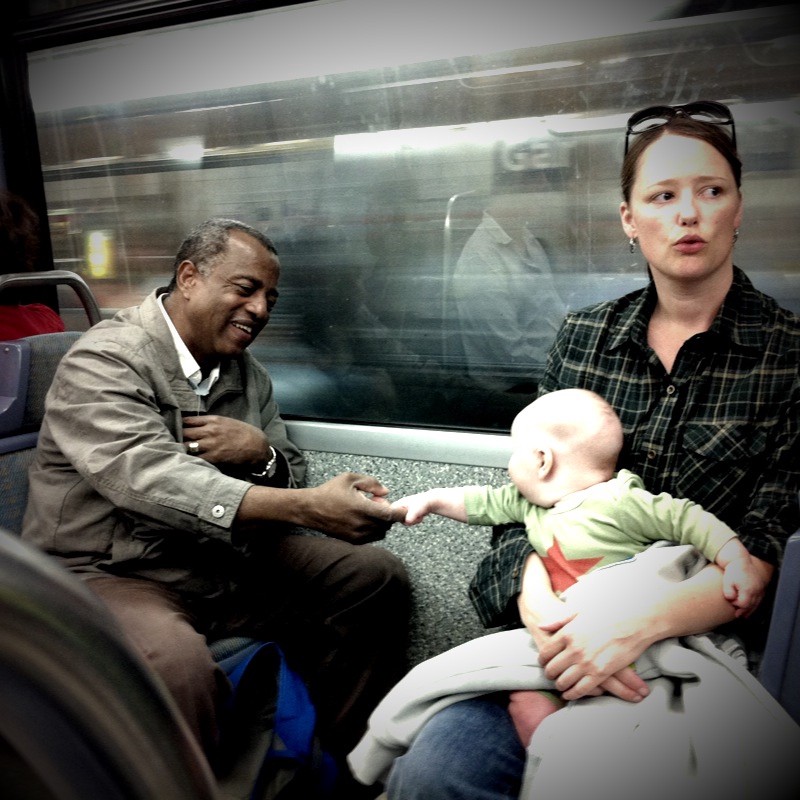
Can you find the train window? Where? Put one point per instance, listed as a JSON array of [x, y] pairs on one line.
[[441, 179]]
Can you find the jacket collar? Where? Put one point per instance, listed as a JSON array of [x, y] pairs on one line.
[[494, 230], [189, 366], [152, 320]]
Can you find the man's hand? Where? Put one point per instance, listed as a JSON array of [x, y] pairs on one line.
[[350, 506], [224, 440]]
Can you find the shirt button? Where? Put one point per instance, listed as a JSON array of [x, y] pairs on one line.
[[218, 511], [651, 454], [671, 389]]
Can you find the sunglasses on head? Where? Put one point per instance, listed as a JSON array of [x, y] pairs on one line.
[[656, 116]]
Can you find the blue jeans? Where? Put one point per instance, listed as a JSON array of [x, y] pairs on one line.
[[468, 751]]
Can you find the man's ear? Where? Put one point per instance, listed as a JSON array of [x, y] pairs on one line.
[[186, 276]]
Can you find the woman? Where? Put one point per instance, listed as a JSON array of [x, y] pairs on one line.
[[19, 247], [703, 371]]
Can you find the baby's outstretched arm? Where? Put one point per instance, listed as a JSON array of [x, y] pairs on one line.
[[447, 502], [742, 583]]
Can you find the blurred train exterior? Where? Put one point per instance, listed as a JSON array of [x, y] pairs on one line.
[[370, 157], [367, 138]]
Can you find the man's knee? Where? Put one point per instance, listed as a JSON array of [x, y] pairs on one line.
[[180, 656], [157, 626], [380, 575], [179, 653], [159, 630], [387, 567]]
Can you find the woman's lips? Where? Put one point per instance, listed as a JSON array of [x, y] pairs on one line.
[[690, 245]]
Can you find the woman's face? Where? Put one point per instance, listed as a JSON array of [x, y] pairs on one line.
[[684, 208]]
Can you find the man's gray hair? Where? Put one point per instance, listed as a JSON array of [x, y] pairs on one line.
[[209, 240]]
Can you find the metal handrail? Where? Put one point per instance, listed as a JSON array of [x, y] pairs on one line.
[[55, 277]]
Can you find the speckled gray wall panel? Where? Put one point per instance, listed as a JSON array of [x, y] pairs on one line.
[[440, 555]]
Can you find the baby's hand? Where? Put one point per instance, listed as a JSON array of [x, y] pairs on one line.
[[743, 585], [416, 506]]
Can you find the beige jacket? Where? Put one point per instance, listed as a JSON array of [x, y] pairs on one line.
[[111, 485]]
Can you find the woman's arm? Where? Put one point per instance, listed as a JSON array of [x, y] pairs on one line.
[[773, 514], [540, 610], [610, 630]]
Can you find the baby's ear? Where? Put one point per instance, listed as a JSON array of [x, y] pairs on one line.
[[546, 460]]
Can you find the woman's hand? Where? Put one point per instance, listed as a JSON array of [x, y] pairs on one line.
[[585, 652], [545, 615], [613, 621]]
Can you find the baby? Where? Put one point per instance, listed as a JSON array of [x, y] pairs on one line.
[[580, 515]]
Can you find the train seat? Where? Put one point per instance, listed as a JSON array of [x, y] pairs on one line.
[[28, 367], [780, 666], [14, 368], [80, 714]]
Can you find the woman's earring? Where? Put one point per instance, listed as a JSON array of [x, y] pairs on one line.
[[632, 244], [735, 235]]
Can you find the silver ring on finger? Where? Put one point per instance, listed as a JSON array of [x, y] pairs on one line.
[[194, 448]]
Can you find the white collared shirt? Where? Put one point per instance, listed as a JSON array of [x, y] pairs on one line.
[[191, 369]]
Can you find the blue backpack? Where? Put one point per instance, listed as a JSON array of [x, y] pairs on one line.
[[268, 745]]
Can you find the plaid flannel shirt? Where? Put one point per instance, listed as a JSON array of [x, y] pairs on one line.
[[720, 429]]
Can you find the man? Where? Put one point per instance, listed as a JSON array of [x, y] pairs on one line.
[[508, 306], [165, 479]]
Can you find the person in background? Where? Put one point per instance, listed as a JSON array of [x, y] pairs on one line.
[[702, 369], [508, 306], [165, 479], [580, 514], [19, 247]]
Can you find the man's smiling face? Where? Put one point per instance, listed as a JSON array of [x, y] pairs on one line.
[[227, 308]]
